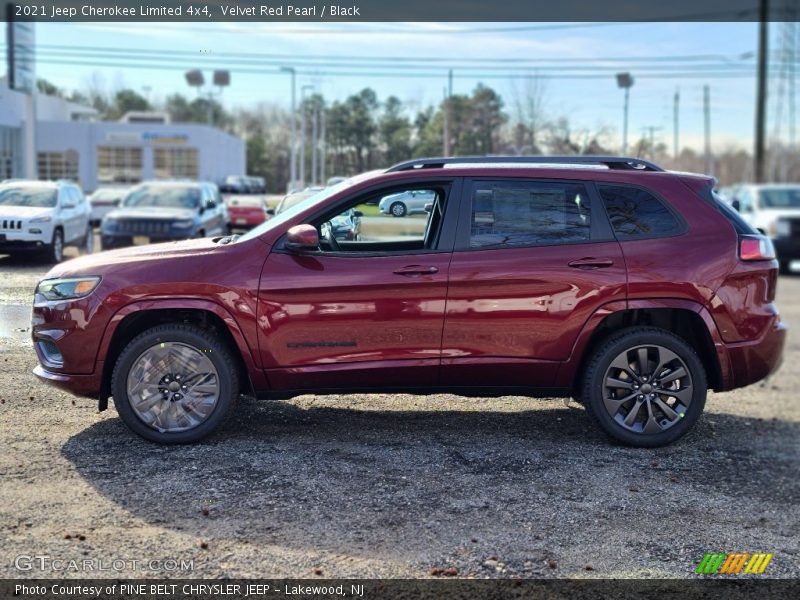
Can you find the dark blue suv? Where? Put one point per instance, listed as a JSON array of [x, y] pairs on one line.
[[162, 211]]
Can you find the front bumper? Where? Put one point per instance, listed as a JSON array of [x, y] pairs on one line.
[[24, 240], [80, 385]]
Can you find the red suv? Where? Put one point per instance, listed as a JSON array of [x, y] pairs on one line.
[[606, 279]]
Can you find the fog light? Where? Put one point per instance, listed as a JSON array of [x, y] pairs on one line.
[[51, 354]]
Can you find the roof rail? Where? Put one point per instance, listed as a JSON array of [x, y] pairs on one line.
[[612, 162]]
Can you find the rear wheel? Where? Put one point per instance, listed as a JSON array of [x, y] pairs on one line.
[[175, 384], [645, 387], [398, 209]]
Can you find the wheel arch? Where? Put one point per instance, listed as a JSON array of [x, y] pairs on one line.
[[689, 320], [134, 318]]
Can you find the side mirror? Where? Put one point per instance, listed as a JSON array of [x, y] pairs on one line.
[[736, 205], [358, 213], [429, 207], [211, 204], [302, 237], [270, 212]]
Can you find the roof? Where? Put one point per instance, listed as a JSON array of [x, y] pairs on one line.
[[623, 163]]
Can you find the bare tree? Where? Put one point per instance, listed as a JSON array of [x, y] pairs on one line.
[[528, 101]]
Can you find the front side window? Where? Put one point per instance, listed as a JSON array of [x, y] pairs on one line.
[[780, 198], [400, 220], [637, 214], [512, 214]]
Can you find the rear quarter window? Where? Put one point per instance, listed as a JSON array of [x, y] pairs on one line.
[[637, 214]]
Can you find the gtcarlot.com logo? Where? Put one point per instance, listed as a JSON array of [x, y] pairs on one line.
[[45, 562], [720, 563]]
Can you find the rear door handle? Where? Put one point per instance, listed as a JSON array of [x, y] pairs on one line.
[[414, 270], [591, 263]]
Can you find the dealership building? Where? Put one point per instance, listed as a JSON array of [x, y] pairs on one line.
[[72, 144]]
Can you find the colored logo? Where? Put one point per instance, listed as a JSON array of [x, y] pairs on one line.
[[719, 563]]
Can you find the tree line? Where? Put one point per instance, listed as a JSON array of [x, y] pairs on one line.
[[364, 132]]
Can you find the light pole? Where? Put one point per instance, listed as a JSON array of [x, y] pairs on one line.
[[293, 120], [625, 81], [303, 133], [221, 79]]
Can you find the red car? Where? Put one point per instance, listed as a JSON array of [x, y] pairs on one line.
[[632, 289], [245, 212]]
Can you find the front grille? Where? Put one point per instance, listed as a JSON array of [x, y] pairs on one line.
[[10, 224], [144, 227]]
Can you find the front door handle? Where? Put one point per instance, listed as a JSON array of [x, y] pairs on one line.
[[414, 270], [591, 263]]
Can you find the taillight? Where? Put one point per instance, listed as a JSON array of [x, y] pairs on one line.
[[755, 247]]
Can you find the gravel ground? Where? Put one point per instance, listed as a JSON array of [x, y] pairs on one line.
[[391, 486]]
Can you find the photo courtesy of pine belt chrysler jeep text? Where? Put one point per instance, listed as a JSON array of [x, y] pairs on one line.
[[606, 279]]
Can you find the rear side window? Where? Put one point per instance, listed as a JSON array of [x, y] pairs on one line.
[[512, 214], [637, 214]]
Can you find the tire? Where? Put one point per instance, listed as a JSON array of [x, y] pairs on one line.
[[783, 267], [161, 414], [614, 386], [398, 209], [54, 251]]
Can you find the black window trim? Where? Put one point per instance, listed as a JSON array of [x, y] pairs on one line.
[[683, 227], [599, 227], [444, 244]]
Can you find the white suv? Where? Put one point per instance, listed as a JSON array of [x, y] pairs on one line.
[[44, 216]]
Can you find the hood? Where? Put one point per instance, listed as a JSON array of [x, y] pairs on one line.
[[108, 261], [24, 212], [152, 213]]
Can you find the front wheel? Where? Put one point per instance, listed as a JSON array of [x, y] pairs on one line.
[[398, 209], [54, 251], [645, 387], [175, 384]]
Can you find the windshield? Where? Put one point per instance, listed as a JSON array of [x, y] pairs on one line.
[[780, 198], [163, 197], [35, 197], [289, 213]]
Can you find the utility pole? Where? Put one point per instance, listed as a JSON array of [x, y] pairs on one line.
[[675, 126], [314, 144], [625, 81], [293, 124], [794, 40], [303, 133], [322, 150], [761, 91], [707, 129], [447, 94]]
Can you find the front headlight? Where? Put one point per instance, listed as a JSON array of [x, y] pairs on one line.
[[67, 289], [44, 219], [185, 224]]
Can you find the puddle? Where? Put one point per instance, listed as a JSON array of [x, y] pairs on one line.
[[15, 321]]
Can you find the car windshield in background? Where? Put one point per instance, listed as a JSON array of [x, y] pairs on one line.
[[163, 196], [780, 198], [24, 196], [107, 194], [286, 215]]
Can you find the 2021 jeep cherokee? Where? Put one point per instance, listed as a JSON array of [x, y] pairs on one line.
[[606, 279]]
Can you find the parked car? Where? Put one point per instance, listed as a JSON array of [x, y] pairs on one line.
[[161, 211], [290, 200], [631, 289], [256, 185], [773, 209], [406, 203], [235, 184], [245, 212], [105, 199], [44, 216], [347, 225]]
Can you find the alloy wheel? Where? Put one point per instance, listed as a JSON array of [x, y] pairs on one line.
[[647, 389], [173, 387]]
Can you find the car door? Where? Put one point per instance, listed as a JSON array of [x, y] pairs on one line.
[[367, 315], [533, 260]]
